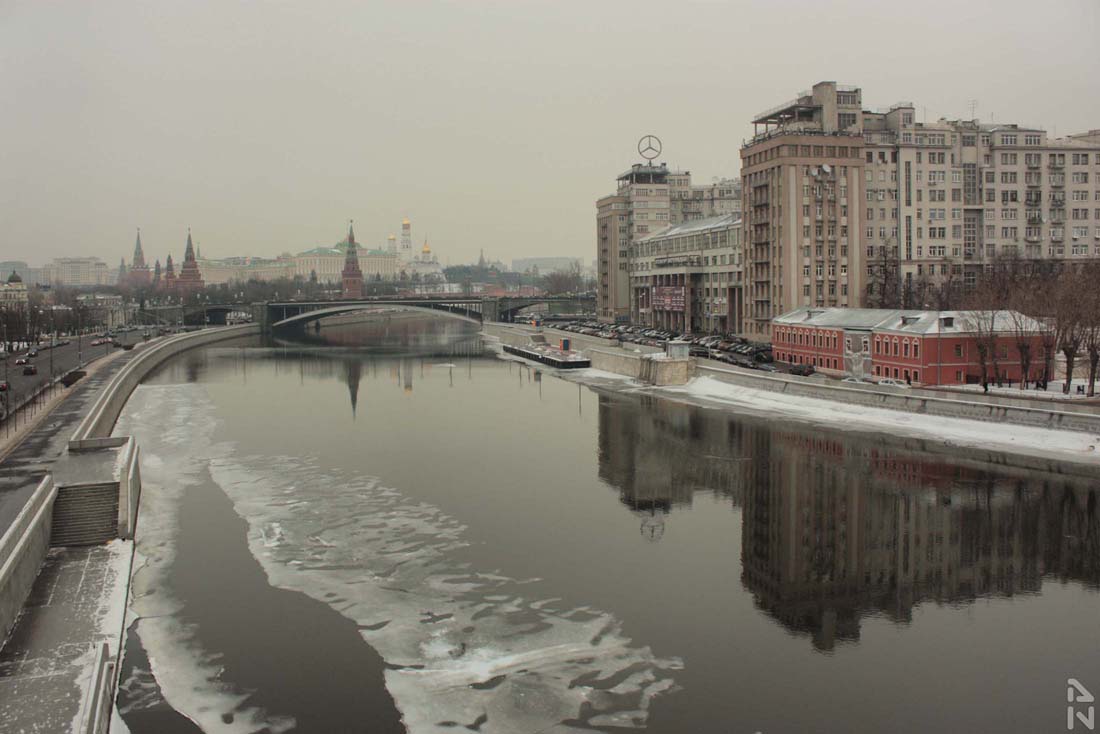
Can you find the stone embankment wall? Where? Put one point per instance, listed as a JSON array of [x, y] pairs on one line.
[[905, 400], [23, 548], [650, 369], [95, 430]]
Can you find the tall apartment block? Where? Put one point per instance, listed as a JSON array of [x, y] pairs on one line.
[[925, 206], [649, 199], [802, 178]]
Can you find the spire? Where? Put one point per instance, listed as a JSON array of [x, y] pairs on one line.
[[189, 251], [352, 275], [139, 254]]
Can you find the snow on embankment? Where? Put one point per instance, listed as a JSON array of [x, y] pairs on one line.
[[1046, 442]]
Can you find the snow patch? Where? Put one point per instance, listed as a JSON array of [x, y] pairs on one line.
[[957, 431]]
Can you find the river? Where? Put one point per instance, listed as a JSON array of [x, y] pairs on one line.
[[378, 527]]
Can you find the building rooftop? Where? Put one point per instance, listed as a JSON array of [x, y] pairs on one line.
[[906, 321], [697, 225]]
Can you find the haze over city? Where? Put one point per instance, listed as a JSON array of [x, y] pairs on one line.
[[492, 125]]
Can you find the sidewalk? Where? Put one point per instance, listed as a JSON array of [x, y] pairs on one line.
[[8, 441], [46, 664]]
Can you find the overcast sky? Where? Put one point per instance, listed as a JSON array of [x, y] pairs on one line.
[[266, 126]]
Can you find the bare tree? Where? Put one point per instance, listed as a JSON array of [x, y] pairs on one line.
[[569, 280], [1068, 311], [1090, 323], [1022, 303], [985, 301]]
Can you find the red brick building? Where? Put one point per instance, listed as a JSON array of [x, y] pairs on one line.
[[918, 347]]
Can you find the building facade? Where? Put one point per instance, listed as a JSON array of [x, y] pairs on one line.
[[13, 292], [919, 347], [936, 205], [649, 199], [688, 278], [802, 186], [77, 272]]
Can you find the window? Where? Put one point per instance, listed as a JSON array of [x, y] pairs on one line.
[[959, 350]]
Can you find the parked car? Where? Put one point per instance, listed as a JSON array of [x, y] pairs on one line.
[[891, 382], [766, 367], [855, 381], [802, 370], [30, 369]]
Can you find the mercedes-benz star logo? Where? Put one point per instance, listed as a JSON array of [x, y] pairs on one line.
[[649, 147]]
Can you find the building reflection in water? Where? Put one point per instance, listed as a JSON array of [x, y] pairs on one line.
[[835, 529]]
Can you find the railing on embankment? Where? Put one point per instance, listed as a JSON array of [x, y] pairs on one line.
[[95, 430], [23, 548]]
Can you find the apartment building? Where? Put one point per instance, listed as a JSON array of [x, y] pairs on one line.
[[689, 277], [802, 187], [949, 198], [649, 199], [928, 205]]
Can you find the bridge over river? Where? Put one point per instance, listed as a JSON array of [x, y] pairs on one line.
[[286, 314]]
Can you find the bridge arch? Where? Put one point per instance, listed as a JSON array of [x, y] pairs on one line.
[[458, 311]]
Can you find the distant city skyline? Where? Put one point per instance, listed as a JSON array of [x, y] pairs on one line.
[[473, 123]]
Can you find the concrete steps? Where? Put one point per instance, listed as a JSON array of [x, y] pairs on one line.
[[85, 515]]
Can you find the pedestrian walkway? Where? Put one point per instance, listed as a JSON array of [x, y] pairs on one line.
[[47, 662], [29, 457]]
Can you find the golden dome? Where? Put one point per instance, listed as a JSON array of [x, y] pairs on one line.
[[425, 249], [392, 237], [405, 221]]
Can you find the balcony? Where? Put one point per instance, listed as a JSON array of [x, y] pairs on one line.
[[1032, 239], [1055, 166], [1033, 164], [1058, 181]]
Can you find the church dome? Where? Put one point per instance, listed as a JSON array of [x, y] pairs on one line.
[[14, 277]]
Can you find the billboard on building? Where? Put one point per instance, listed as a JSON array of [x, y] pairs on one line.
[[668, 297]]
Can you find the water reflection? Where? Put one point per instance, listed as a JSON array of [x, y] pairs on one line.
[[836, 530]]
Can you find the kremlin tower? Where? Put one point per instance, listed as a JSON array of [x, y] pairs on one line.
[[190, 279], [139, 276], [122, 272], [352, 275], [169, 275]]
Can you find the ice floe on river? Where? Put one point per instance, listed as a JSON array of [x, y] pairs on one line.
[[462, 645]]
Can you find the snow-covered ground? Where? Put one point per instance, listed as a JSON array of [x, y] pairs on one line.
[[1053, 392], [1081, 447]]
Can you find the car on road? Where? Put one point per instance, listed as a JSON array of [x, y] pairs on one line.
[[802, 370], [766, 367], [4, 386], [22, 360], [30, 369], [855, 381], [891, 382], [32, 353]]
